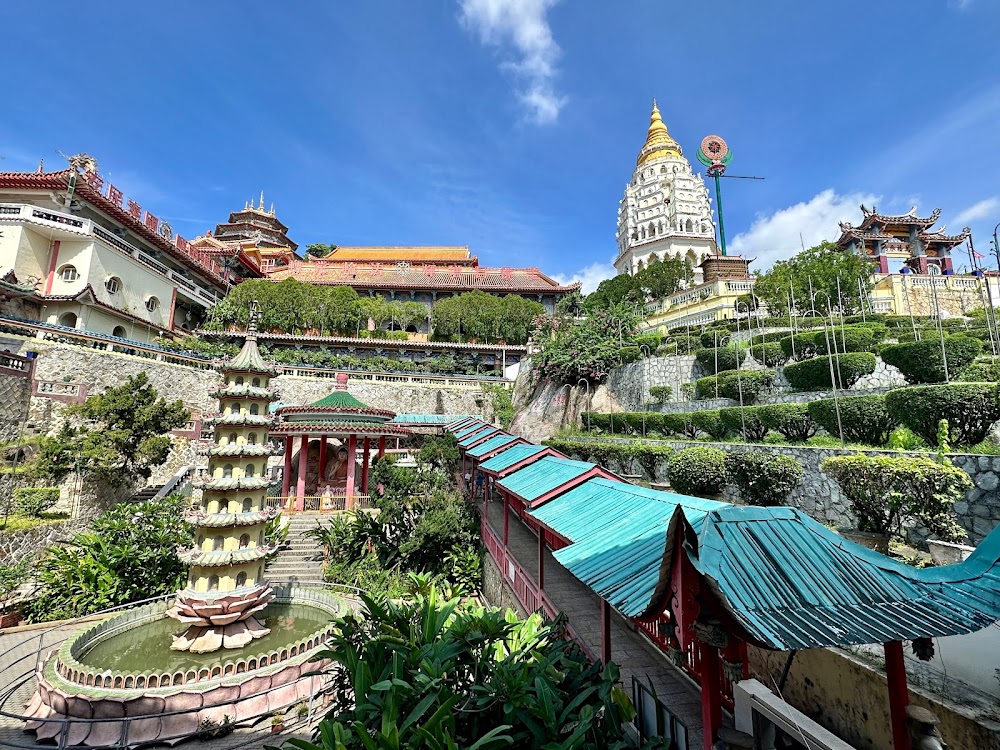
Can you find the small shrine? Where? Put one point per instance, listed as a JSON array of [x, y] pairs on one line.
[[226, 586], [322, 440]]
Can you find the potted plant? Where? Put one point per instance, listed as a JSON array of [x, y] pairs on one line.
[[887, 493], [302, 710], [277, 722]]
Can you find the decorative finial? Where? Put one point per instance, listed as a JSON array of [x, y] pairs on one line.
[[252, 322], [41, 166], [272, 208], [261, 206], [654, 102]]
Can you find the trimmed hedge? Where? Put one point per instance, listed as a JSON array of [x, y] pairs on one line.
[[970, 408], [647, 454], [921, 362], [710, 422], [814, 374], [865, 419], [699, 471], [773, 337], [791, 420], [983, 370], [636, 421], [681, 424], [31, 502], [730, 358], [712, 337], [770, 354], [729, 384], [745, 422], [804, 346], [661, 393], [845, 340], [763, 478]]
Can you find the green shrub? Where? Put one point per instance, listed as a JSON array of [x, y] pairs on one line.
[[709, 421], [970, 408], [698, 471], [845, 339], [799, 346], [596, 420], [762, 477], [627, 355], [640, 422], [713, 337], [921, 361], [772, 337], [707, 387], [865, 419], [688, 391], [730, 383], [33, 501], [680, 424], [791, 420], [814, 374], [729, 358], [770, 354], [649, 340], [982, 370], [885, 493], [745, 422], [661, 393]]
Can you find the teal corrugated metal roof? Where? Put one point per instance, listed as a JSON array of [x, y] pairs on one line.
[[459, 423], [794, 584], [442, 419], [619, 534], [465, 431], [497, 441], [474, 436], [543, 476], [511, 456]]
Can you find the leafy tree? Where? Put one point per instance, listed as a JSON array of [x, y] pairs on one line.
[[822, 265], [589, 349], [658, 280], [318, 250], [129, 553], [123, 436], [485, 317], [429, 672], [570, 304], [439, 453]]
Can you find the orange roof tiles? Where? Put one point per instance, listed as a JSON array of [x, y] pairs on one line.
[[388, 253]]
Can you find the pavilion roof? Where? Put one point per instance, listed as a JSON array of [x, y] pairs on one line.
[[341, 399], [469, 440], [500, 440], [512, 456], [534, 481]]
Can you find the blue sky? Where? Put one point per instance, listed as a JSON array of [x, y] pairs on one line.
[[512, 126]]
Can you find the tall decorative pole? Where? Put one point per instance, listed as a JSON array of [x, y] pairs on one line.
[[715, 155], [226, 589]]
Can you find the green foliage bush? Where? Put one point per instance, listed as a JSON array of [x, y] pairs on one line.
[[982, 370], [590, 348], [921, 361], [865, 419], [885, 493], [970, 408], [745, 422], [661, 393], [762, 477], [799, 346], [33, 501], [712, 338], [846, 339], [791, 420], [770, 354], [814, 374], [729, 384], [680, 424], [729, 358], [129, 553], [710, 422], [621, 453], [698, 471]]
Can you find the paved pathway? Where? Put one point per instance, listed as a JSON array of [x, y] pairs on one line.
[[632, 651]]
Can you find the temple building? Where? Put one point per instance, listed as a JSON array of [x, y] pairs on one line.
[[907, 237], [97, 261], [226, 586], [666, 210]]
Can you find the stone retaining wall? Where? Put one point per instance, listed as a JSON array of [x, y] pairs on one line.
[[26, 544]]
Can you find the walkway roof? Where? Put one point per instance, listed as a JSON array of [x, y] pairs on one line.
[[476, 436], [514, 454], [425, 419], [543, 476], [495, 442], [465, 431]]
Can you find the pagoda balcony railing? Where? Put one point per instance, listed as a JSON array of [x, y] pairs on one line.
[[335, 503], [77, 225]]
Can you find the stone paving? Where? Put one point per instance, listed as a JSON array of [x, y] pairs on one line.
[[631, 650]]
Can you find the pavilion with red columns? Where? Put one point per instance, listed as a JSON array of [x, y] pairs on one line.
[[322, 440]]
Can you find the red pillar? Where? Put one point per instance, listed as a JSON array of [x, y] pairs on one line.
[[711, 693], [605, 632], [286, 477], [366, 450], [322, 459], [300, 485], [352, 450], [381, 446], [899, 696]]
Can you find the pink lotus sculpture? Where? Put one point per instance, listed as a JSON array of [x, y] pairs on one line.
[[226, 621]]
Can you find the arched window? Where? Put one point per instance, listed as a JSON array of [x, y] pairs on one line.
[[231, 439], [227, 471], [244, 540], [113, 284], [239, 380], [663, 170], [247, 504], [241, 580], [213, 583], [260, 536], [217, 542], [68, 320], [256, 382], [152, 303], [255, 409], [260, 571], [120, 332], [252, 438], [234, 409], [250, 471], [69, 273]]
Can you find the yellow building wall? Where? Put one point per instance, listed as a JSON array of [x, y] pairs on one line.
[[24, 251]]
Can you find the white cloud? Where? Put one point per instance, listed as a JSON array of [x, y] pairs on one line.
[[982, 210], [521, 24], [782, 234], [589, 277]]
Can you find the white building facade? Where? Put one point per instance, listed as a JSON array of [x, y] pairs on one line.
[[666, 210]]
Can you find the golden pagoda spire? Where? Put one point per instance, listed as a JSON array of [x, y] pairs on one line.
[[659, 144]]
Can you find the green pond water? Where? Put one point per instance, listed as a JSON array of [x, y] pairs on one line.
[[147, 647]]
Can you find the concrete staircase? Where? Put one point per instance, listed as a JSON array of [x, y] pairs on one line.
[[146, 493], [300, 558]]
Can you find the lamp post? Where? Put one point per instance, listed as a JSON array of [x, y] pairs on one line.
[[586, 385], [642, 397], [739, 380], [833, 378]]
